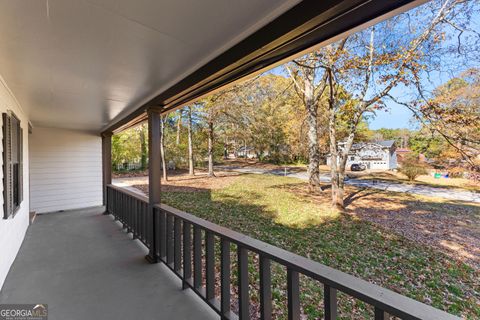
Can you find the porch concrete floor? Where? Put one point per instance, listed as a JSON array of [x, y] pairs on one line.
[[84, 266]]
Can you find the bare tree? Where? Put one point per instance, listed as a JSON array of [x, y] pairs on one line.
[[191, 169], [163, 119], [210, 146], [310, 79], [179, 126], [372, 63], [303, 72], [143, 147]]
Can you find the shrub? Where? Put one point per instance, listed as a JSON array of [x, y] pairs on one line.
[[412, 168]]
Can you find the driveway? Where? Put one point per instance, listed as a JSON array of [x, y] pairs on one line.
[[446, 193]]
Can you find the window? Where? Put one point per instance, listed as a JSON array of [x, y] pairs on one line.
[[352, 158], [12, 164]]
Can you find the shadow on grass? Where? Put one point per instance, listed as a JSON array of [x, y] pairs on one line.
[[449, 226]]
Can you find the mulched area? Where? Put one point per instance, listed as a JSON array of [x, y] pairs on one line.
[[457, 233], [129, 174], [449, 226], [182, 182]]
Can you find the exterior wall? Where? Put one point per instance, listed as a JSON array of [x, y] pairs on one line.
[[65, 170], [388, 162], [12, 230]]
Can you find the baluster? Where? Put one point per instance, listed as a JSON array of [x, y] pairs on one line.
[[225, 276], [124, 211], [163, 236], [129, 214], [145, 222], [330, 302], [197, 257], [115, 202], [140, 221], [265, 289], [177, 245], [187, 254], [380, 314], [293, 294], [130, 222], [135, 218], [210, 265], [169, 239], [243, 297], [108, 201]]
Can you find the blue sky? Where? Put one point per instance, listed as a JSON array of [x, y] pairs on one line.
[[397, 117]]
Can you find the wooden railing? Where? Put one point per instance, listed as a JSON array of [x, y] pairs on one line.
[[186, 244], [132, 211]]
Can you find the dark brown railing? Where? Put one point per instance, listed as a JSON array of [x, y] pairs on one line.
[[179, 234]]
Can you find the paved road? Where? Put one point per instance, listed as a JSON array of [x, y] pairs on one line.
[[452, 194]]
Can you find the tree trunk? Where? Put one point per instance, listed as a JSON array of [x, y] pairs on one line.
[[337, 198], [313, 147], [143, 149], [343, 157], [338, 157], [191, 170], [210, 148], [162, 147], [179, 126]]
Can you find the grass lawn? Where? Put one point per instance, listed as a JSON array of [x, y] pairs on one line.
[[277, 210]]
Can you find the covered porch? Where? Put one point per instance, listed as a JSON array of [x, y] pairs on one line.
[[135, 257]]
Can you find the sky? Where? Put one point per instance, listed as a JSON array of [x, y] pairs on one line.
[[398, 116]]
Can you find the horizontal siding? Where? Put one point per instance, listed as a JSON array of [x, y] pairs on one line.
[[12, 230], [65, 170]]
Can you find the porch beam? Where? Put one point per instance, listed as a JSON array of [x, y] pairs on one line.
[[106, 164], [154, 174]]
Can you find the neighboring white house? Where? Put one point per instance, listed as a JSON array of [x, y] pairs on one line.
[[246, 152], [380, 155]]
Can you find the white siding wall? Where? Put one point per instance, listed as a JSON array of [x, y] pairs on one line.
[[12, 230], [65, 169]]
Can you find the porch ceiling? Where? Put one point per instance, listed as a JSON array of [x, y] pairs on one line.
[[81, 64]]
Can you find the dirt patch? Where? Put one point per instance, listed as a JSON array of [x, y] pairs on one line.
[[182, 182], [129, 174], [457, 233], [449, 226], [251, 163]]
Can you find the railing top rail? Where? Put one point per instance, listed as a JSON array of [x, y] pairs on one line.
[[387, 300], [138, 196]]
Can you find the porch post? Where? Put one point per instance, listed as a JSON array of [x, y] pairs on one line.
[[154, 164], [106, 165]]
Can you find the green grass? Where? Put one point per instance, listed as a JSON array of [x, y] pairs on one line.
[[263, 207]]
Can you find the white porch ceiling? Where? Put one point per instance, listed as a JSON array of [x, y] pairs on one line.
[[81, 64]]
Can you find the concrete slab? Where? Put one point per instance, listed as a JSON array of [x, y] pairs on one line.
[[84, 266]]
